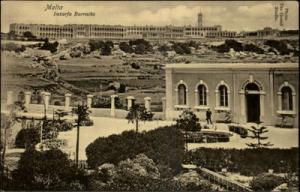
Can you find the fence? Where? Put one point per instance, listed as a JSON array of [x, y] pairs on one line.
[[113, 111], [222, 180]]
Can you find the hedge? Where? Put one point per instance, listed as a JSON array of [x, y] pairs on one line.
[[245, 161], [164, 145], [243, 132]]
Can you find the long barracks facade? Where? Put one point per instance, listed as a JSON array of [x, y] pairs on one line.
[[120, 32]]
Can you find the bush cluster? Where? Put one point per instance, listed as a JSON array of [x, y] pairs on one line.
[[47, 170], [198, 137], [243, 132], [181, 48], [281, 46], [104, 46], [164, 145], [266, 182], [237, 46], [105, 102], [52, 47], [245, 161], [86, 122], [141, 46]]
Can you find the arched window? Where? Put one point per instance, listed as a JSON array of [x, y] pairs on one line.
[[202, 97], [286, 98], [223, 93], [182, 94]]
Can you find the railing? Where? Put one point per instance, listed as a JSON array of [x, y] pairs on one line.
[[222, 180]]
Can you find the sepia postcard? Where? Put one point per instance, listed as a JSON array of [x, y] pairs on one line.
[[149, 96]]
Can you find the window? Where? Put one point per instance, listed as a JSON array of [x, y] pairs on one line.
[[287, 98], [202, 97], [182, 94], [223, 92]]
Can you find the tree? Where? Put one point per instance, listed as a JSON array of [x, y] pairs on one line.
[[140, 49], [106, 50], [82, 114], [7, 122], [29, 35], [257, 132], [126, 47], [164, 48], [46, 170], [138, 113], [188, 121]]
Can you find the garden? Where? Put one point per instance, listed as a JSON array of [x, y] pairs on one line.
[[145, 157]]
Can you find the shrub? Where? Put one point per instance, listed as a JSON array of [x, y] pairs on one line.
[[96, 45], [54, 143], [164, 145], [65, 126], [135, 66], [47, 170], [266, 182], [105, 102], [278, 45], [140, 49], [122, 88], [246, 161], [125, 47], [188, 121], [86, 122], [243, 132], [137, 174], [50, 129], [181, 48], [141, 46], [52, 47], [229, 43], [202, 186], [27, 138]]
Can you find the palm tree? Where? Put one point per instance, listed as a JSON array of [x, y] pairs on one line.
[[82, 114], [138, 113]]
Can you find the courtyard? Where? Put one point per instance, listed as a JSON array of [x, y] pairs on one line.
[[104, 127]]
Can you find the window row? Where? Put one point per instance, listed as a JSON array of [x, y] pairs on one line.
[[202, 99], [286, 96]]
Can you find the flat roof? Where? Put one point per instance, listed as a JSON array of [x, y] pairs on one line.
[[232, 65]]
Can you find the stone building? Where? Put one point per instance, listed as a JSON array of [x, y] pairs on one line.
[[250, 92], [119, 32]]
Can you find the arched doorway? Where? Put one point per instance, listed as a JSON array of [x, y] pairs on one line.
[[252, 94]]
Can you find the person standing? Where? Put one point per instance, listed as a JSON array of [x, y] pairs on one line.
[[208, 116]]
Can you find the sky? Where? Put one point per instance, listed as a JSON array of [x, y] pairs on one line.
[[232, 15]]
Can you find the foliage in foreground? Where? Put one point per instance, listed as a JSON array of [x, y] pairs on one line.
[[266, 182], [164, 145], [141, 174], [48, 170], [245, 161]]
